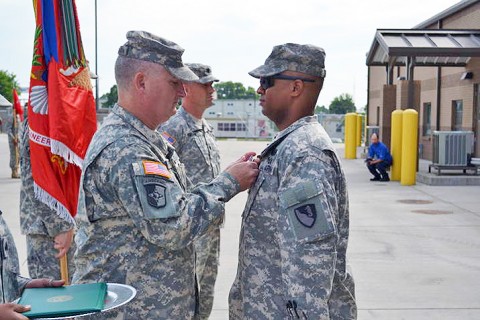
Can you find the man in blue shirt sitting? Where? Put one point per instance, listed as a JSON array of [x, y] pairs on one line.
[[379, 159]]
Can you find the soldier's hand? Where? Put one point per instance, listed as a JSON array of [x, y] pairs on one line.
[[12, 311], [44, 283], [62, 242], [244, 170]]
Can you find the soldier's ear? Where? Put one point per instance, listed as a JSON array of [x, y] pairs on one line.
[[296, 87], [139, 81], [186, 88]]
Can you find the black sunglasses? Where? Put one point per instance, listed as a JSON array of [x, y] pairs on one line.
[[268, 82]]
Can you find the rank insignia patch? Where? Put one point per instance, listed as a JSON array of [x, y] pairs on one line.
[[155, 194], [306, 215], [157, 168]]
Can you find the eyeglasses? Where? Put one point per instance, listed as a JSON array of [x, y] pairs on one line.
[[268, 82]]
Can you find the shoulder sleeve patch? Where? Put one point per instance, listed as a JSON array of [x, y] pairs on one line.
[[155, 196], [308, 212]]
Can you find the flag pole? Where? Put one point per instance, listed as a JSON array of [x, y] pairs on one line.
[[64, 269]]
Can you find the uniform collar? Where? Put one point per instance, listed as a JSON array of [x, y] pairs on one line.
[[294, 126], [191, 121], [151, 135], [285, 132]]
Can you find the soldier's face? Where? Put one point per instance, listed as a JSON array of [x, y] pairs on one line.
[[164, 93], [274, 101], [199, 94]]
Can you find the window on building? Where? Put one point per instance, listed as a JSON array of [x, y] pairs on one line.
[[234, 126], [427, 118], [241, 127], [457, 115], [378, 115]]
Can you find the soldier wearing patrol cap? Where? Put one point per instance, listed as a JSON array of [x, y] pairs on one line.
[[194, 141], [136, 221], [293, 242]]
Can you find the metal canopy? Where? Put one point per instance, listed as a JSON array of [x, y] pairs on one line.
[[4, 102], [426, 47]]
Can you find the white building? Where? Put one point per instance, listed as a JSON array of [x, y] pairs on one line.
[[239, 119]]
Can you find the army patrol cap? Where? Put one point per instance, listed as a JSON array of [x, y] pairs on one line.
[[145, 46], [304, 58], [203, 72]]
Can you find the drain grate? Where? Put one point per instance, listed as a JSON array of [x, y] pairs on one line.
[[432, 211], [414, 201]]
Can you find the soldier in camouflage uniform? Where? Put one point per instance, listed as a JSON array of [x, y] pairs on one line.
[[195, 145], [136, 222], [12, 131], [11, 283], [48, 236], [293, 241]]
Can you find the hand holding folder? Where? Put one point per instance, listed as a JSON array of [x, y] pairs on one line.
[[64, 301]]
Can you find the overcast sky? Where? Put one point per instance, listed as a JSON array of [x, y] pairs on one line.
[[233, 37]]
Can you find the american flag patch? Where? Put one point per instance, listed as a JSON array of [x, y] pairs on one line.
[[168, 137], [158, 168]]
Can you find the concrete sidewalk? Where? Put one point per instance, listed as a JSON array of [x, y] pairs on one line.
[[414, 251]]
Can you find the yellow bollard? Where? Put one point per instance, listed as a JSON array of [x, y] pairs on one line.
[[409, 147], [359, 130], [350, 136], [396, 144]]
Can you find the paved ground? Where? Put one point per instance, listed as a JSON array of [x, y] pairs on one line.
[[414, 250]]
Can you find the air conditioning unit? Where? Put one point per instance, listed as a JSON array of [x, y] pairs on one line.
[[452, 148]]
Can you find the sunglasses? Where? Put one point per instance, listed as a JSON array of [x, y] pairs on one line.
[[268, 82]]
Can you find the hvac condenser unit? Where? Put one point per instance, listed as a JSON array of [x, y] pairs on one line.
[[451, 148]]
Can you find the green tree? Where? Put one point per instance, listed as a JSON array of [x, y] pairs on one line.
[[7, 84], [234, 90], [342, 104], [321, 109], [110, 98]]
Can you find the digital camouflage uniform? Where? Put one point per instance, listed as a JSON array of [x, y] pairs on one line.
[[295, 226], [38, 222], [11, 283], [12, 131], [195, 145], [294, 233], [136, 224]]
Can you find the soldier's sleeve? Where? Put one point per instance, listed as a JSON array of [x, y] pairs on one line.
[[308, 231], [22, 282], [165, 214], [11, 283], [53, 223]]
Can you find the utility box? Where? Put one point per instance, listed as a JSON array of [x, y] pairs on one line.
[[452, 148]]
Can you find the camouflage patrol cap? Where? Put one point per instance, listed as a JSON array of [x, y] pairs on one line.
[[304, 58], [145, 46], [203, 72]]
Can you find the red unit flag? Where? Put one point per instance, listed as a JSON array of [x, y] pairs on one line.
[[61, 108]]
